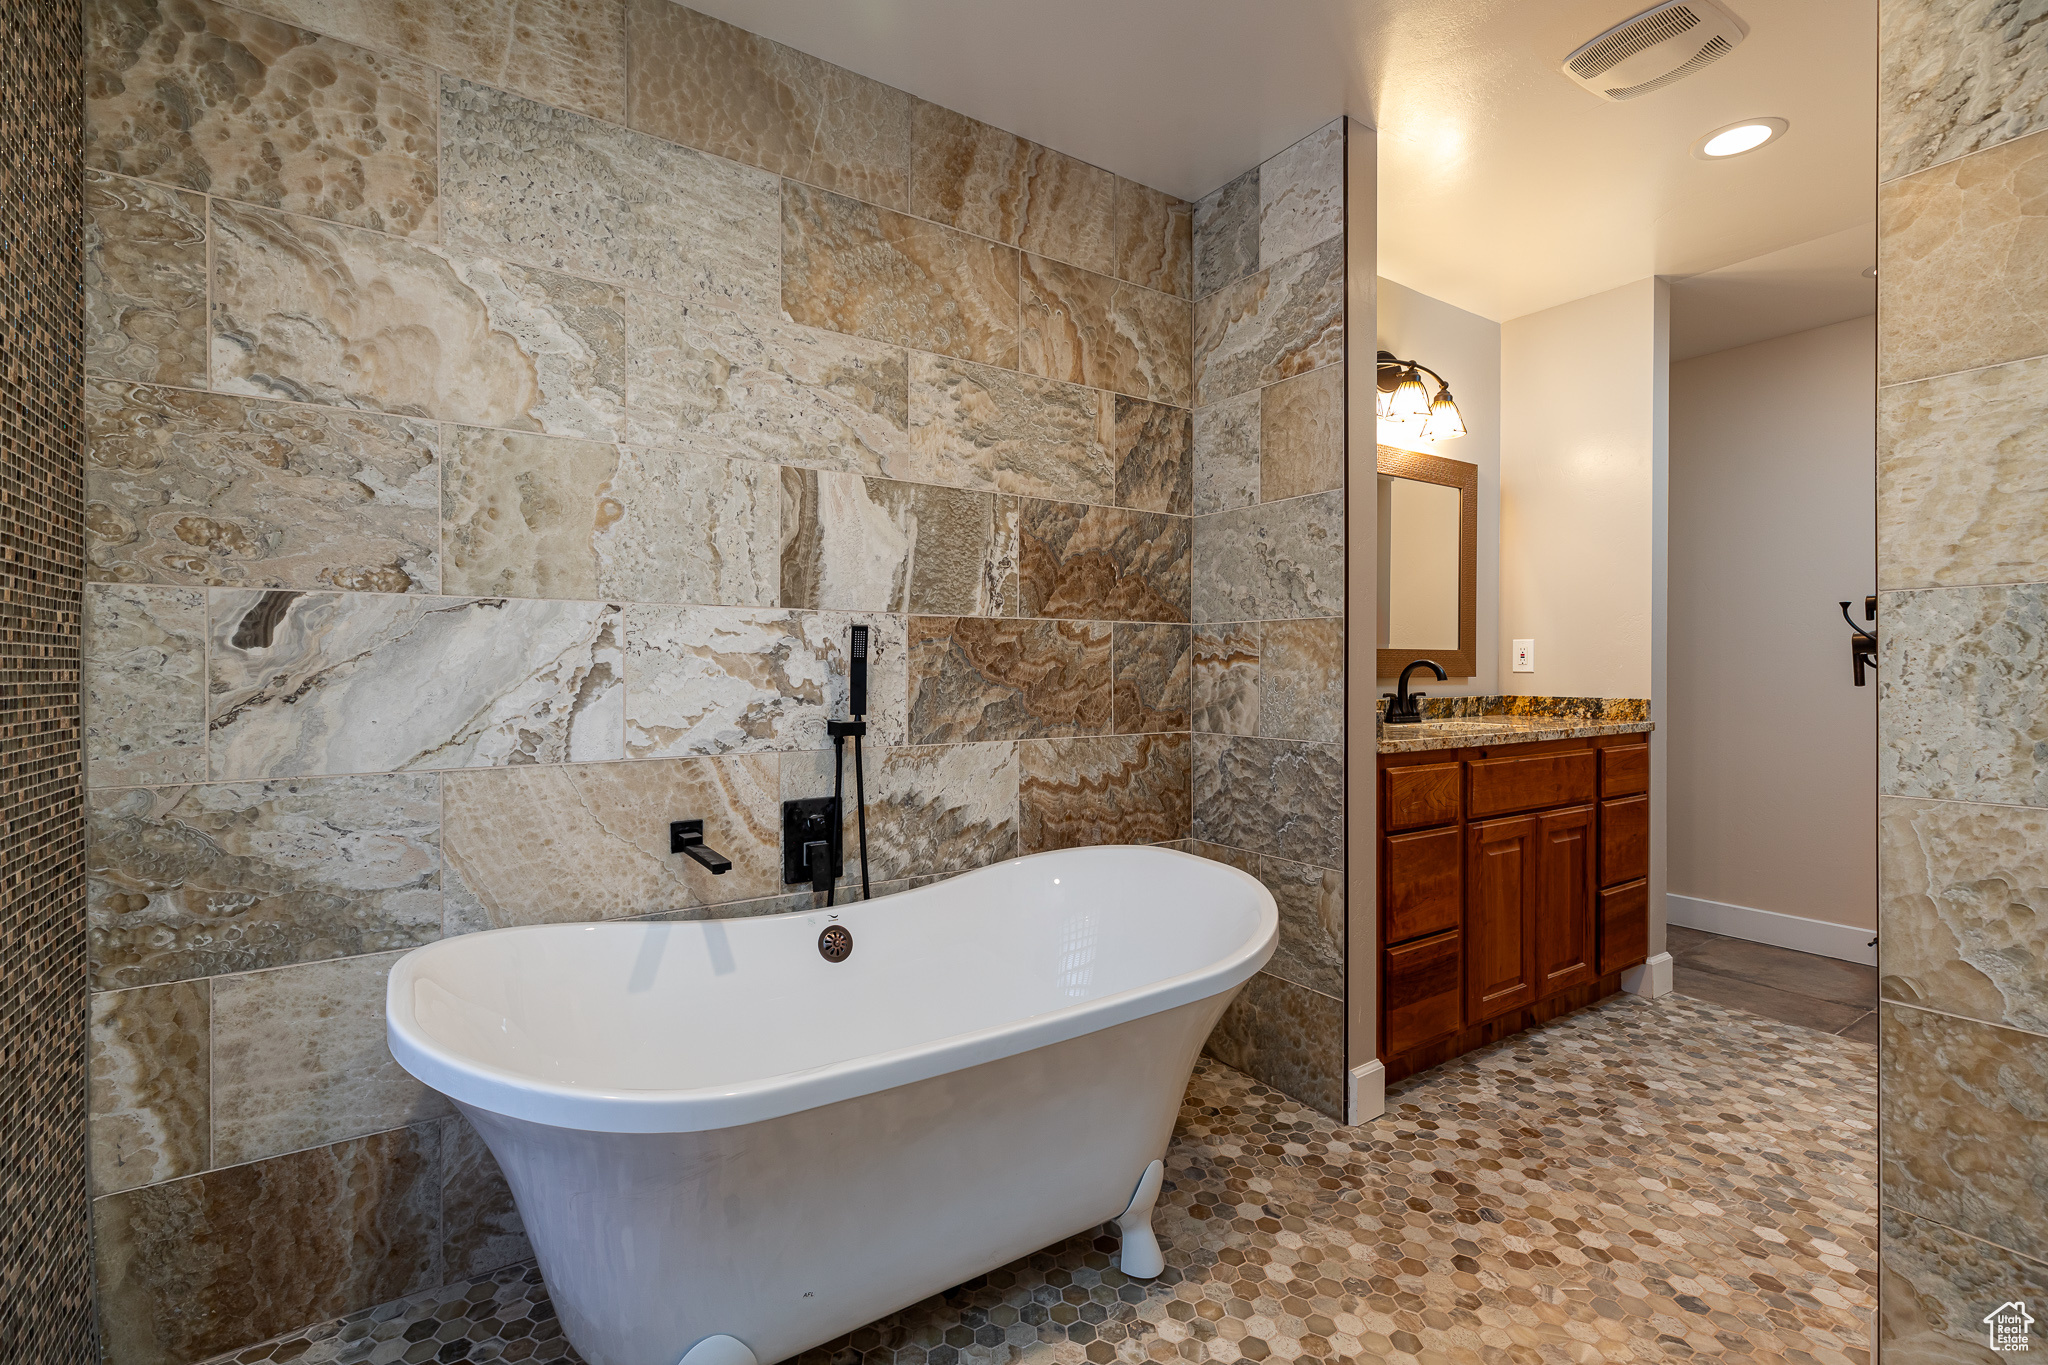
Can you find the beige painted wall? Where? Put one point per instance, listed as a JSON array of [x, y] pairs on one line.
[[1583, 463], [1465, 349], [1364, 1095], [1773, 763]]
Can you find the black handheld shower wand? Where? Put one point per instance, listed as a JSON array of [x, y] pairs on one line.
[[856, 726]]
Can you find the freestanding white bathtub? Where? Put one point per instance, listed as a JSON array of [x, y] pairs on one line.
[[727, 1147]]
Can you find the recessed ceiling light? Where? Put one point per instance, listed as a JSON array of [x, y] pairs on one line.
[[1737, 138]]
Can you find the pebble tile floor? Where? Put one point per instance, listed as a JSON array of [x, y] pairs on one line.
[[1663, 1180]]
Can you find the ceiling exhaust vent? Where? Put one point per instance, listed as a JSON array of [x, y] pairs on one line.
[[1657, 48]]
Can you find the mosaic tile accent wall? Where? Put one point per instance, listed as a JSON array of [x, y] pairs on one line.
[[45, 1265], [486, 456], [1268, 593], [1963, 616]]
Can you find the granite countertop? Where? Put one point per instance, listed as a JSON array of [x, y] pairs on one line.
[[1464, 731]]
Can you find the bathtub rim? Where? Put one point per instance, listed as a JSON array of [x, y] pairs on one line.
[[605, 1109]]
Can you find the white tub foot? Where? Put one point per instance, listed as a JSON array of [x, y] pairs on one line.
[[1141, 1258], [718, 1350]]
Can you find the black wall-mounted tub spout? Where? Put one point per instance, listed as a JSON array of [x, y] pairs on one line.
[[687, 836], [1405, 707]]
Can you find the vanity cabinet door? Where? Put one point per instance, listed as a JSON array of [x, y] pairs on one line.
[[1422, 873], [1422, 992], [1624, 926], [1624, 840], [1500, 917], [1564, 900]]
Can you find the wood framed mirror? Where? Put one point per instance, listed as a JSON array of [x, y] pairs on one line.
[[1428, 562]]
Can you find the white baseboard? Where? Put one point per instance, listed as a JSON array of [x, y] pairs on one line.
[[1768, 926], [1365, 1097], [1651, 980]]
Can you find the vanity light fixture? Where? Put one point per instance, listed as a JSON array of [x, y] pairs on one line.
[[1405, 400], [1736, 138]]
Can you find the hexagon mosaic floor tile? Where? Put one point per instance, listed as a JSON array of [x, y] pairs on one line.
[[1640, 1181]]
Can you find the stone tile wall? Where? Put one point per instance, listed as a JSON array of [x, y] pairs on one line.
[[1963, 709], [489, 442], [45, 1243], [1267, 584]]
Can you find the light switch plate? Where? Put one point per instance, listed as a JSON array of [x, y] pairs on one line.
[[1525, 656]]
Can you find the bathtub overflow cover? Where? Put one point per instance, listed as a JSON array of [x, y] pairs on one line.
[[835, 944]]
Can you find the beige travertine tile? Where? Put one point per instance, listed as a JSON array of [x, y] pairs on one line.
[[1311, 905], [568, 53], [1155, 238], [1150, 667], [1301, 194], [1936, 1287], [1962, 249], [712, 680], [1955, 76], [556, 843], [1079, 562], [1963, 909], [1962, 478], [1108, 789], [208, 489], [1301, 679], [1962, 1125], [210, 1263], [932, 809], [1155, 468], [1226, 679], [525, 182], [1282, 798], [714, 382], [1963, 684], [1226, 454], [305, 683], [706, 84], [977, 679], [149, 1085], [341, 316], [1301, 435], [202, 880], [1290, 1036], [852, 267], [1092, 329], [481, 1229], [975, 426], [1285, 320], [969, 175], [858, 544], [1273, 561], [143, 684], [145, 281], [299, 1060], [193, 94], [1226, 233], [540, 516]]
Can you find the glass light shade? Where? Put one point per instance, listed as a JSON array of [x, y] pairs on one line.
[[1380, 399], [1410, 400], [1444, 422]]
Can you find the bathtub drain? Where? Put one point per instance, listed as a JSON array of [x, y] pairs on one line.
[[835, 944]]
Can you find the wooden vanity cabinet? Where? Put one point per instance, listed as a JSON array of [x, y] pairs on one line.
[[1512, 889]]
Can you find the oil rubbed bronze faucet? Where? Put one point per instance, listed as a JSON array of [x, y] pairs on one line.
[[1405, 707]]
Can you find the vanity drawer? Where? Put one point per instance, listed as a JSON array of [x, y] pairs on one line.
[[1423, 981], [1625, 770], [1624, 840], [1502, 786], [1624, 926], [1421, 794], [1424, 882]]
